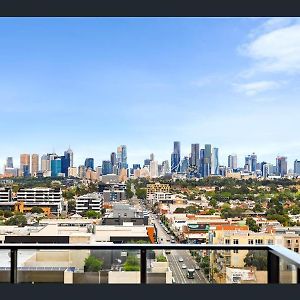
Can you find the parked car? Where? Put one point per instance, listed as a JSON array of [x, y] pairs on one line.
[[180, 259], [183, 266]]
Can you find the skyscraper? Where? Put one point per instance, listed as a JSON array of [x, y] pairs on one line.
[[165, 168], [55, 166], [113, 158], [207, 160], [253, 162], [184, 165], [45, 163], [281, 165], [232, 161], [69, 156], [153, 169], [122, 157], [215, 161], [297, 167], [195, 159], [106, 167], [151, 157], [201, 171], [89, 163], [9, 162], [175, 158], [24, 161], [34, 164], [65, 163], [248, 163]]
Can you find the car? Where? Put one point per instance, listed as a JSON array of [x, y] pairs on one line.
[[183, 266], [197, 268], [168, 240], [173, 242], [180, 259]]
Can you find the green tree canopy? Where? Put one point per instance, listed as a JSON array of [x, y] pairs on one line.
[[141, 193], [18, 220], [36, 210]]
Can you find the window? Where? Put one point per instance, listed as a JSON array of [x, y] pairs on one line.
[[258, 242], [270, 242], [227, 241], [235, 241], [250, 242], [296, 250], [235, 251], [288, 241]]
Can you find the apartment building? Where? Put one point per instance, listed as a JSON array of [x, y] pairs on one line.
[[42, 197], [5, 194], [92, 201], [157, 188]]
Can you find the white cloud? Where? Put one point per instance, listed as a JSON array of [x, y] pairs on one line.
[[276, 51], [254, 88]]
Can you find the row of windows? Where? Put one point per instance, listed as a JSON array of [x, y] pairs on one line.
[[250, 242]]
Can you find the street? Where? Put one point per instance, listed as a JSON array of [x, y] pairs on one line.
[[179, 274]]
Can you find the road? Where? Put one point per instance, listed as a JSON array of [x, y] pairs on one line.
[[179, 274]]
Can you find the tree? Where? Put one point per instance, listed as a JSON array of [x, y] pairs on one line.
[[18, 220], [36, 210], [258, 259], [92, 264], [252, 224], [1, 212], [71, 206], [7, 214], [179, 210], [91, 214], [132, 263], [258, 207], [141, 193], [128, 192]]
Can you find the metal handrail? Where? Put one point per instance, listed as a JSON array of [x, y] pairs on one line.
[[275, 253]]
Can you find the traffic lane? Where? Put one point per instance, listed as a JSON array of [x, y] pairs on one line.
[[188, 260]]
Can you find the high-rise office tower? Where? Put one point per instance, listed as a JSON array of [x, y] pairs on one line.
[[165, 168], [9, 162], [45, 163], [281, 165], [248, 163], [136, 166], [253, 162], [65, 164], [69, 156], [175, 158], [113, 158], [153, 169], [81, 171], [184, 165], [195, 158], [232, 161], [122, 157], [151, 157], [106, 167], [297, 167], [201, 170], [147, 162], [89, 163], [34, 164], [267, 170], [55, 167], [215, 161], [24, 161], [207, 160]]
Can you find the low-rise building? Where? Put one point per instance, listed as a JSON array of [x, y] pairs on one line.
[[92, 201]]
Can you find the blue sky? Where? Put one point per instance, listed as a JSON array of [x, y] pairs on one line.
[[96, 83]]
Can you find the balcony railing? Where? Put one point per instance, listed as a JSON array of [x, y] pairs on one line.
[[275, 256]]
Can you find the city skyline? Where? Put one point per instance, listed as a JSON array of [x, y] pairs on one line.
[[97, 83]]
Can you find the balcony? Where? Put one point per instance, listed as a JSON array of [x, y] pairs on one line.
[[150, 264]]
